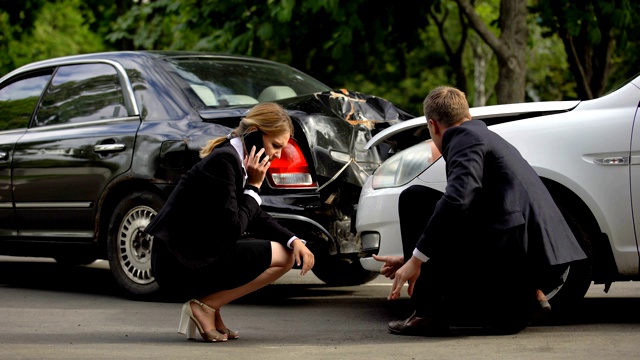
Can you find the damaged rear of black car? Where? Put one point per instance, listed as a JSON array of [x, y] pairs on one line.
[[91, 146]]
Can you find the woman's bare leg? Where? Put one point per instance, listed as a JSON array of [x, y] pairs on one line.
[[281, 262]]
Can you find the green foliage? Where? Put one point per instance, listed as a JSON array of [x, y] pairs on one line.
[[548, 75], [21, 15], [59, 29], [331, 40], [595, 34], [6, 63], [390, 49]]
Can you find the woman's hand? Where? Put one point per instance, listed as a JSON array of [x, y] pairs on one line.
[[256, 170], [303, 255]]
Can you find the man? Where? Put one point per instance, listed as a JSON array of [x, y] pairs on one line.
[[495, 237]]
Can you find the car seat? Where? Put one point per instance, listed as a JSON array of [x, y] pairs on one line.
[[272, 93]]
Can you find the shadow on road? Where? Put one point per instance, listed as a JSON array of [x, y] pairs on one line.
[[50, 276], [45, 275]]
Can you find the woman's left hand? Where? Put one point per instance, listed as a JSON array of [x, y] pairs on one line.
[[303, 255]]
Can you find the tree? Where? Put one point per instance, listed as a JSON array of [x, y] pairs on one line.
[[16, 18], [331, 40], [591, 30], [104, 14], [439, 14], [60, 29], [510, 47]]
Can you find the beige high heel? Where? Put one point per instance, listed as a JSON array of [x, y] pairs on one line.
[[231, 335], [189, 324]]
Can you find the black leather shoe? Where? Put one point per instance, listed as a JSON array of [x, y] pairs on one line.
[[419, 326], [544, 305], [543, 308]]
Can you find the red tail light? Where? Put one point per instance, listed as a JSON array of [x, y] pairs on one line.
[[291, 170]]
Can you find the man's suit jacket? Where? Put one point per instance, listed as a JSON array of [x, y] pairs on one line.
[[208, 211], [490, 189]]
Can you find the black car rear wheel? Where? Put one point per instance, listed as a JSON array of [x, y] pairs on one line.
[[129, 247], [577, 278]]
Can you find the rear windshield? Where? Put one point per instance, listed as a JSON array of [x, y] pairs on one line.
[[220, 82]]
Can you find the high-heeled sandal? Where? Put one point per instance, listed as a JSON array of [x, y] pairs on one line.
[[189, 324], [231, 335]]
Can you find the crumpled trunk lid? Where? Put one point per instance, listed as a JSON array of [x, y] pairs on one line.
[[337, 125]]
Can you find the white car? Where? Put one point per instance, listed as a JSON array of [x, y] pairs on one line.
[[586, 152]]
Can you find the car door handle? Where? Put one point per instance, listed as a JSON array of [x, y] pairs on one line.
[[4, 155], [108, 147]]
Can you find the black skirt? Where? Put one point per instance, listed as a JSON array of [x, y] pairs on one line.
[[240, 264]]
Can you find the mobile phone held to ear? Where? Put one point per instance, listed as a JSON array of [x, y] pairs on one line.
[[254, 138]]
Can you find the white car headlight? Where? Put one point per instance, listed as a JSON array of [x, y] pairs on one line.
[[405, 165]]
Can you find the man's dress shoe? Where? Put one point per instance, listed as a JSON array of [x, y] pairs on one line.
[[416, 325], [543, 308]]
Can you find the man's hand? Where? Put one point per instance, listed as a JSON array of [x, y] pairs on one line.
[[408, 272], [391, 264]]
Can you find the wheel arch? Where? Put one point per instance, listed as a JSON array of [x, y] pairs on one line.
[[604, 269], [110, 200]]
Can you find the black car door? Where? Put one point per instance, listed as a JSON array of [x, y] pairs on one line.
[[18, 98], [80, 138]]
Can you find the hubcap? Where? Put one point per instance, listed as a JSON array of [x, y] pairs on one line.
[[134, 245]]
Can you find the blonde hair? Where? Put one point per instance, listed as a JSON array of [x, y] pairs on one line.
[[446, 105], [270, 118]]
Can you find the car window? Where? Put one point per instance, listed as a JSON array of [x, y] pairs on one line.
[[226, 82], [18, 100], [81, 93]]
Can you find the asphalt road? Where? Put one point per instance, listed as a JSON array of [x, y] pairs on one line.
[[52, 312]]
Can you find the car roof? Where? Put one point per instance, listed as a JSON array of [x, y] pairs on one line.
[[121, 55]]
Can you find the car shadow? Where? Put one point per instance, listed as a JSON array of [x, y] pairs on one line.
[[599, 310], [45, 274], [51, 276], [42, 274]]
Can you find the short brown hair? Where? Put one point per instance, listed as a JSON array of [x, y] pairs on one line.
[[446, 105]]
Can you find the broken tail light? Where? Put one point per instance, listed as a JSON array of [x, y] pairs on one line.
[[291, 170]]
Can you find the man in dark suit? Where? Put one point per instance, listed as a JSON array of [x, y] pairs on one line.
[[495, 236]]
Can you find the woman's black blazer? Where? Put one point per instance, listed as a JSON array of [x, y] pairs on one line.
[[208, 211]]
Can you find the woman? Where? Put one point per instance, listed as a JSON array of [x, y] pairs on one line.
[[200, 245]]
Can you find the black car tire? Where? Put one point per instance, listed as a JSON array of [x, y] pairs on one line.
[[577, 279], [129, 247], [341, 271]]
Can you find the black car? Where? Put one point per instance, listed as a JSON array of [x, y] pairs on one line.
[[91, 145]]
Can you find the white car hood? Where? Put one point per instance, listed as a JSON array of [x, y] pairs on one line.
[[478, 113]]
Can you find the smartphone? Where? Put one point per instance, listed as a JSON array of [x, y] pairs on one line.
[[254, 138]]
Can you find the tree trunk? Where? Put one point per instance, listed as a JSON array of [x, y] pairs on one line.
[[589, 63], [481, 57], [454, 55], [510, 48]]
